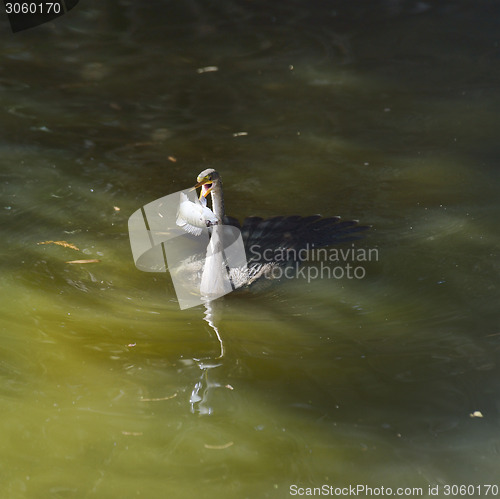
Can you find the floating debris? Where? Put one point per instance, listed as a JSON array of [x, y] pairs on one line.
[[132, 433], [160, 398], [40, 129], [218, 447], [207, 69], [94, 71], [160, 134], [172, 159], [240, 134], [476, 414], [116, 208], [93, 260], [65, 244]]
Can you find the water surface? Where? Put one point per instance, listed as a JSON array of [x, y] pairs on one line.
[[386, 112]]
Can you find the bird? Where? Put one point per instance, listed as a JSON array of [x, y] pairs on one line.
[[270, 244]]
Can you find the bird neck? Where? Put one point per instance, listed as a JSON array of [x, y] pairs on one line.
[[218, 202]]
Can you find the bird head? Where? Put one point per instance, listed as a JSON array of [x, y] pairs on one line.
[[207, 180]]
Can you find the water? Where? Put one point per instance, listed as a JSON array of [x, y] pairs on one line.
[[382, 112]]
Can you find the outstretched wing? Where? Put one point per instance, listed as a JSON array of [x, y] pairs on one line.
[[279, 240]]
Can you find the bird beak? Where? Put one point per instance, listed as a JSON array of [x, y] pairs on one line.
[[205, 191]]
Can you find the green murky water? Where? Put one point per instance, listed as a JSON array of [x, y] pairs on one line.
[[383, 112]]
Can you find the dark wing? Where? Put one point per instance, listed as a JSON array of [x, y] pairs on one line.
[[279, 240]]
